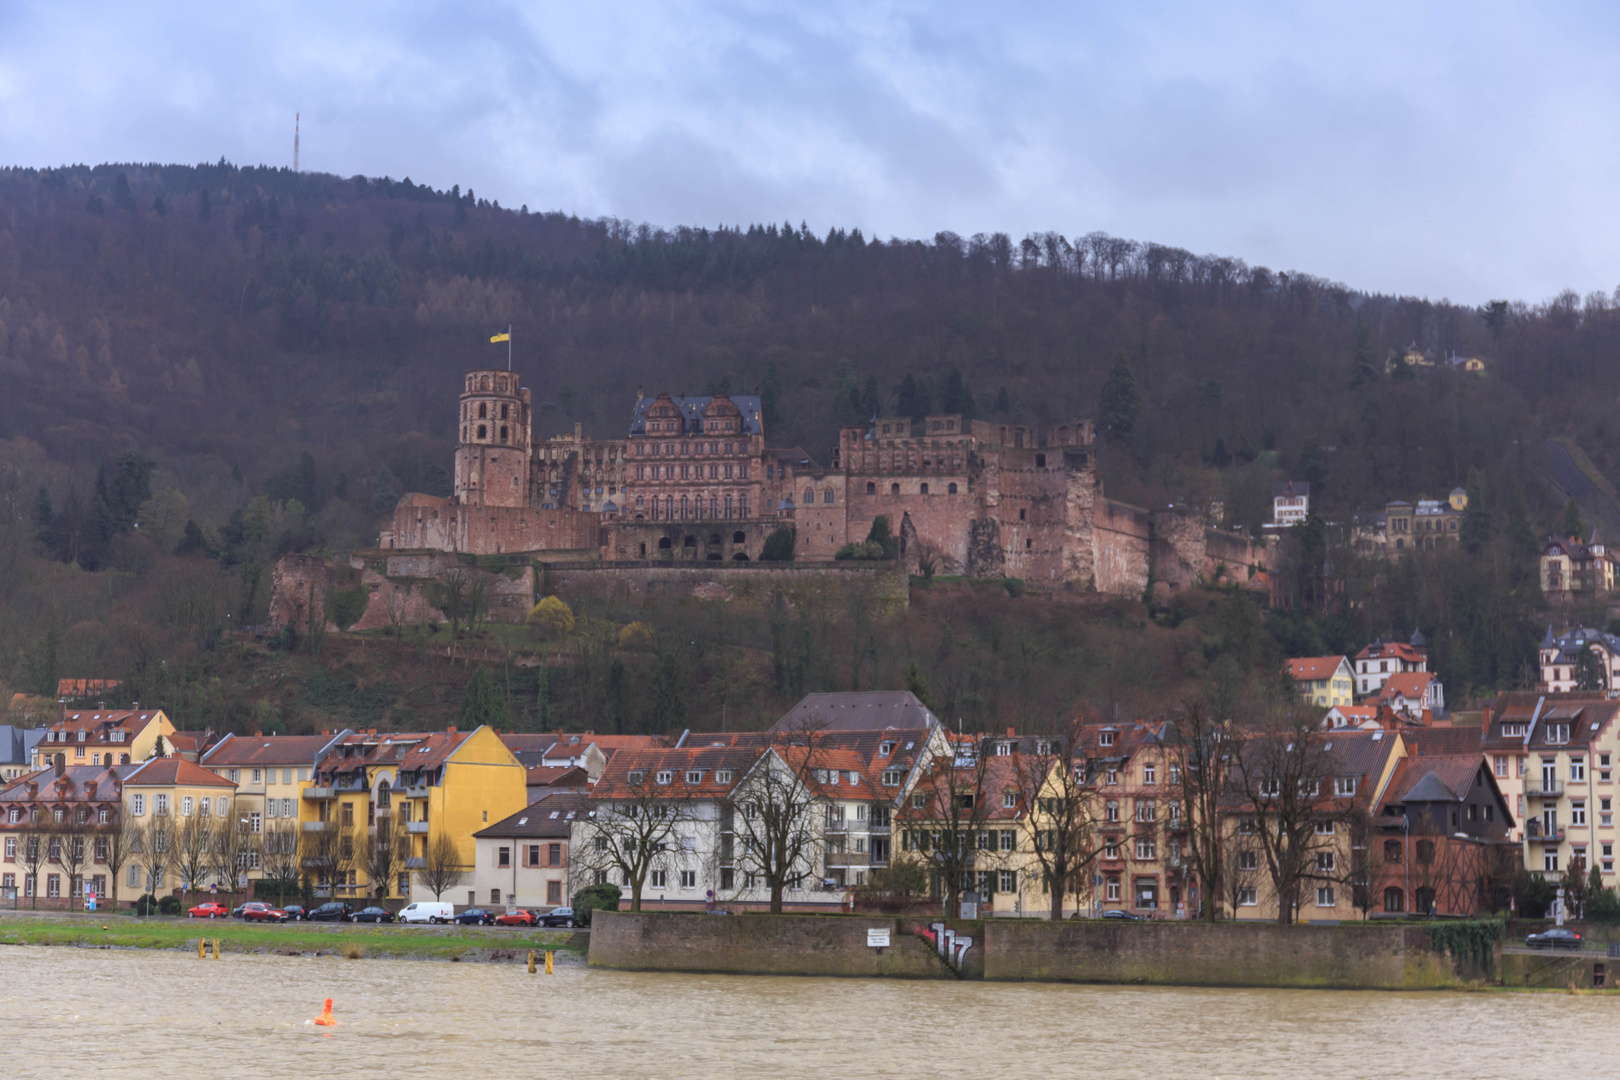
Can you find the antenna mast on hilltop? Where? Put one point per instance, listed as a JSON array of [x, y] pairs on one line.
[[295, 141]]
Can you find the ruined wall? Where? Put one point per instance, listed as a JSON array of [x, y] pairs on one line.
[[798, 583], [1178, 548], [426, 522], [1123, 537], [687, 541], [399, 587], [939, 516], [1079, 527], [1029, 502]]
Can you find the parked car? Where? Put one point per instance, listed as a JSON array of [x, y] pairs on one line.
[[1122, 914], [558, 916], [261, 912], [517, 917], [209, 910], [427, 911], [475, 916], [334, 911], [372, 914], [1557, 937], [295, 912]]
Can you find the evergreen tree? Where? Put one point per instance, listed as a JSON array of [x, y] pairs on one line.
[[917, 684], [483, 703], [205, 209], [1365, 365], [1003, 401], [956, 397], [871, 403], [881, 535], [1120, 403], [1573, 525], [1476, 520], [770, 394], [44, 519], [669, 694], [1589, 671]]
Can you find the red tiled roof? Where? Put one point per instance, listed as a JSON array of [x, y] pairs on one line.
[[1407, 684], [615, 783], [1391, 650], [1313, 667], [260, 750], [172, 771]]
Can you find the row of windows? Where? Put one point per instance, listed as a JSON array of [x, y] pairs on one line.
[[716, 472], [718, 508], [483, 411], [688, 449], [922, 489]]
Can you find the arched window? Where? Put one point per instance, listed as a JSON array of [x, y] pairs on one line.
[[1392, 851], [827, 496], [739, 538], [809, 496], [925, 487], [503, 433], [483, 431], [871, 488], [894, 489], [1394, 899], [483, 410], [950, 489], [503, 412], [1423, 900], [663, 543]]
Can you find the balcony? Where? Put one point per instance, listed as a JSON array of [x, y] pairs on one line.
[[415, 863], [418, 828], [315, 826], [1543, 789], [317, 793], [840, 859], [1540, 833], [414, 791], [1105, 863]]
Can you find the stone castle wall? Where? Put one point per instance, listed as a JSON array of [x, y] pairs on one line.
[[884, 584]]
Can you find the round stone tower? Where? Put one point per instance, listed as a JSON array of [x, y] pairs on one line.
[[492, 456]]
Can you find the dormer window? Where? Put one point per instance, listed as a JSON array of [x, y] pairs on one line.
[[1558, 733], [885, 749], [83, 735], [637, 776], [665, 775], [1105, 738], [694, 776]]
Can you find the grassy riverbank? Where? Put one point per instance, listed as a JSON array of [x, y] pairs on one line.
[[356, 941]]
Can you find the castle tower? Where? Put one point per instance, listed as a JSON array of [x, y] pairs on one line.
[[492, 455]]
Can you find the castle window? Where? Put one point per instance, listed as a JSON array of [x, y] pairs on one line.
[[482, 431], [871, 488], [483, 410], [1029, 545], [827, 496], [894, 489], [503, 432], [1040, 461], [925, 488], [809, 496], [1023, 514], [950, 489], [503, 412]]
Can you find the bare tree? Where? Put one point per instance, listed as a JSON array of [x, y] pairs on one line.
[[1055, 794], [116, 842], [278, 859], [1205, 748], [193, 851], [1240, 866], [779, 820], [231, 851], [69, 849], [328, 854], [442, 868], [634, 831], [945, 825], [1280, 780], [33, 852], [386, 849], [154, 852]]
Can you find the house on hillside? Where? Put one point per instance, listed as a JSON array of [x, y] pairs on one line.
[[1573, 571], [105, 737], [1290, 503], [1561, 658], [1416, 695], [1323, 681], [1378, 661]]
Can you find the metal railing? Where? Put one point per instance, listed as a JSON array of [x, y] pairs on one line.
[[1535, 830], [1543, 789]]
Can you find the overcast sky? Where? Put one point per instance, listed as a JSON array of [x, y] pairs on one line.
[[1459, 150]]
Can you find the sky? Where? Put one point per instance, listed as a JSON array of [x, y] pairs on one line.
[[1464, 151]]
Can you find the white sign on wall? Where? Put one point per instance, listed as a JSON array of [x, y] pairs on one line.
[[877, 939]]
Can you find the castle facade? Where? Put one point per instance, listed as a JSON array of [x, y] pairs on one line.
[[694, 479]]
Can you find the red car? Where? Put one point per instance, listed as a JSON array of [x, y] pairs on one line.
[[260, 912], [209, 910], [520, 917]]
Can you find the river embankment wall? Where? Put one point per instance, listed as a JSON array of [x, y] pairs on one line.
[[1368, 956]]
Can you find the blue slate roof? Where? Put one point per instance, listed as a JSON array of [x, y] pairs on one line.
[[692, 414]]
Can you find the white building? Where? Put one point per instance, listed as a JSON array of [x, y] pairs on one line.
[[523, 861], [1290, 503]]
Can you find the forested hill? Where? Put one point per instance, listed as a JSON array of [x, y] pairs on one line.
[[204, 367], [222, 321]]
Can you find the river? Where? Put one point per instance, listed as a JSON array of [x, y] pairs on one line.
[[167, 1015]]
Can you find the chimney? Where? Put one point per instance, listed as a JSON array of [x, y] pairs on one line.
[[61, 766], [1485, 718], [1011, 733]]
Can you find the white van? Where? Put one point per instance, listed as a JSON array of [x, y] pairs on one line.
[[428, 911]]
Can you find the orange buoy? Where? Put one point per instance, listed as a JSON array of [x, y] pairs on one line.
[[325, 1019]]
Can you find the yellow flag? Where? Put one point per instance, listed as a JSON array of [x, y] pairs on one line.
[[499, 338]]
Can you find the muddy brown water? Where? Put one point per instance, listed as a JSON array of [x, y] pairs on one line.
[[149, 1014]]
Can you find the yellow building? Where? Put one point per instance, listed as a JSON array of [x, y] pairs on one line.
[[185, 800], [404, 791], [270, 773], [1323, 681], [103, 737]]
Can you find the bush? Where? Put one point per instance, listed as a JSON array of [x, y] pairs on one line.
[[1604, 906], [169, 905], [636, 635], [146, 905], [594, 897], [345, 606], [779, 546], [552, 617], [1532, 895]]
